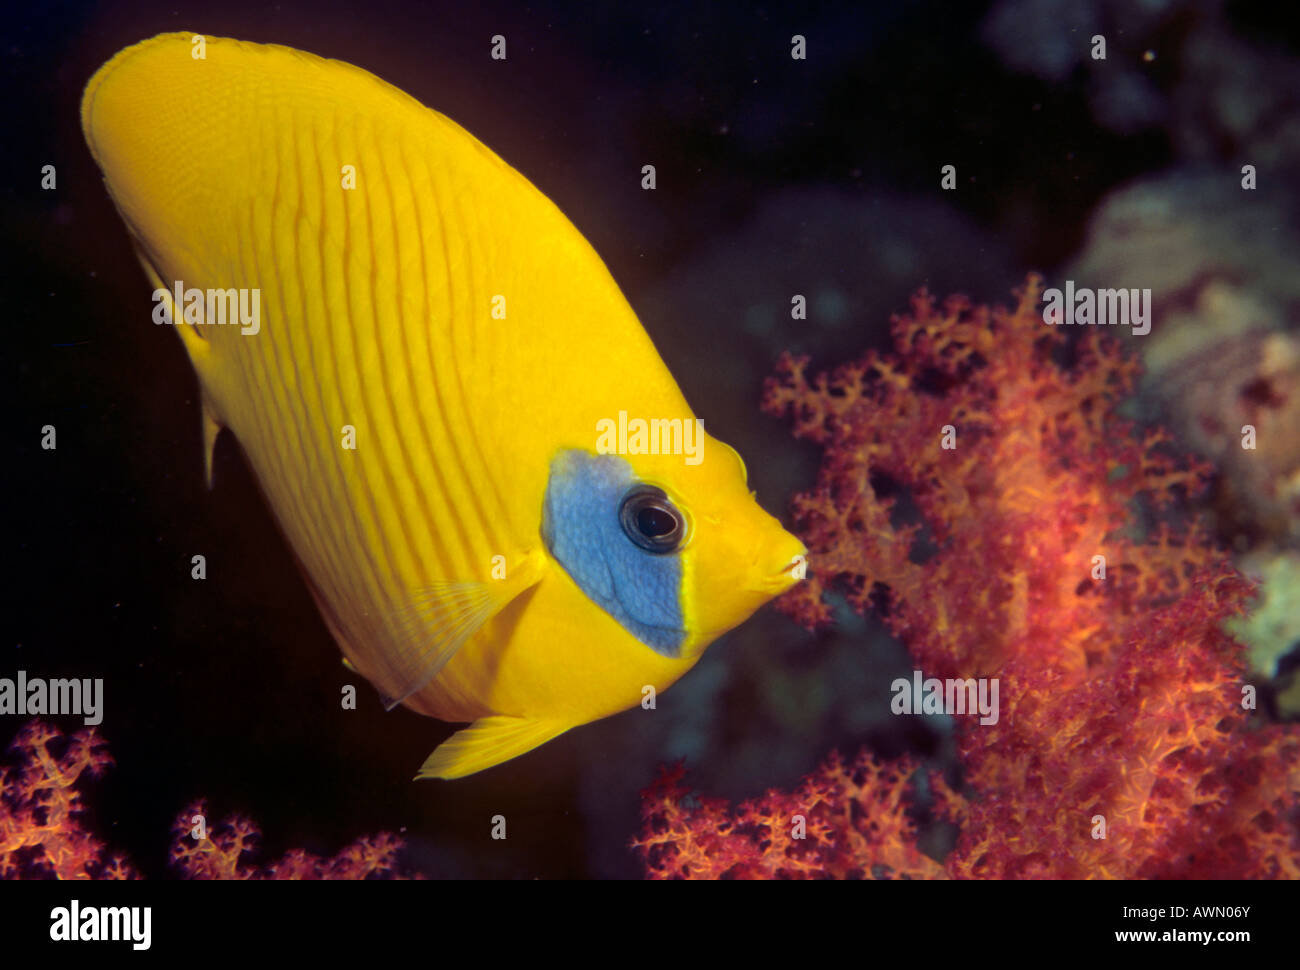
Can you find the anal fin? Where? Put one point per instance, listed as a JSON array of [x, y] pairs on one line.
[[487, 742]]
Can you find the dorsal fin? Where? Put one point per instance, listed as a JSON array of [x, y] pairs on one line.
[[197, 347], [211, 428]]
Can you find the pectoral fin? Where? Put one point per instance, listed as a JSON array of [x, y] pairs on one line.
[[488, 741], [439, 619]]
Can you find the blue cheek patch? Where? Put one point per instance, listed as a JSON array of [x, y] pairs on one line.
[[581, 529]]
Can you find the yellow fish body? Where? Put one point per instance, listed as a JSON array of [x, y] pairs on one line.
[[426, 389]]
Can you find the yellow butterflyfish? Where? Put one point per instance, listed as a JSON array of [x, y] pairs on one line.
[[503, 505]]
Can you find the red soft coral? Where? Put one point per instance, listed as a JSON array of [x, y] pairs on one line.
[[847, 820], [42, 831], [219, 853], [1121, 699]]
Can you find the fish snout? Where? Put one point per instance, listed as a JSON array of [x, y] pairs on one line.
[[778, 566]]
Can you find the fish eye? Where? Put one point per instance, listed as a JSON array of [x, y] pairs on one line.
[[650, 520]]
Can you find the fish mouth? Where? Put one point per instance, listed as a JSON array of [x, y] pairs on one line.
[[793, 570]]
